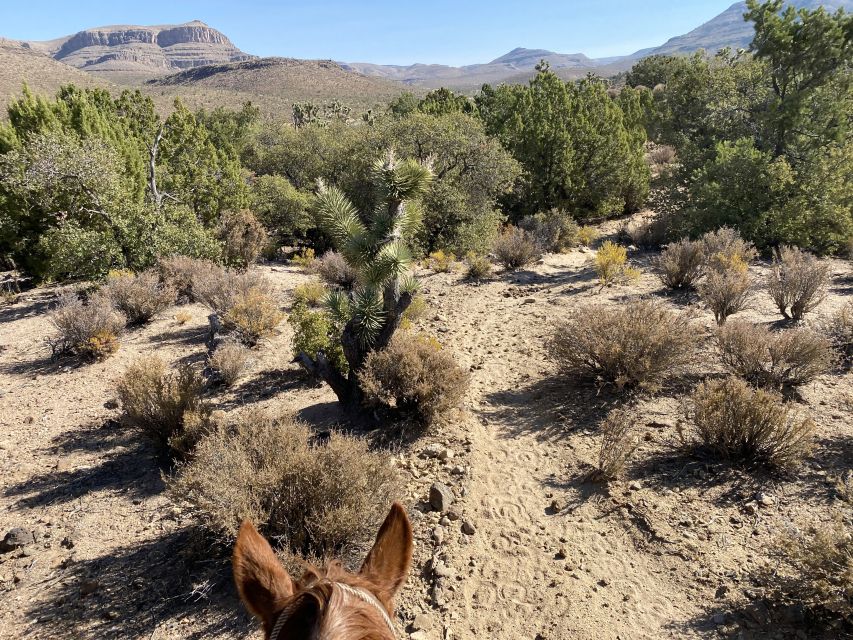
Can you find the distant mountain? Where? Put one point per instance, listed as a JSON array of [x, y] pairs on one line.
[[119, 51], [728, 29]]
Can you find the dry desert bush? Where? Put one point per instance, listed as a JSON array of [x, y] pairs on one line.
[[840, 331], [243, 237], [554, 232], [679, 266], [726, 243], [335, 271], [305, 260], [88, 329], [515, 248], [414, 378], [661, 155], [229, 361], [618, 443], [317, 497], [611, 265], [254, 315], [311, 293], [648, 234], [741, 423], [773, 359], [181, 272], [477, 267], [586, 235], [165, 405], [639, 344], [726, 287], [797, 282], [138, 296], [815, 569], [441, 261], [219, 289]]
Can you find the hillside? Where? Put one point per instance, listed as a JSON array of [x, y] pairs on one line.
[[122, 52], [727, 30], [21, 64], [281, 82]]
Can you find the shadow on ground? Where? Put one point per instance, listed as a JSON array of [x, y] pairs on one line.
[[129, 463], [144, 588]]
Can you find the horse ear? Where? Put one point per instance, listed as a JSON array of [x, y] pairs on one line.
[[261, 580], [387, 564]]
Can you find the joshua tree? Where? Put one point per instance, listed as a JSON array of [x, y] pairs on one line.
[[375, 247]]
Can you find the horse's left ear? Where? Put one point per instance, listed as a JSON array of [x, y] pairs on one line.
[[387, 564], [261, 580]]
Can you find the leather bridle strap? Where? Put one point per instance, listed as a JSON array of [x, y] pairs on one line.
[[361, 594]]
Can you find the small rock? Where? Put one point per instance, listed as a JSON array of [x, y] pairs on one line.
[[67, 543], [562, 554], [440, 497], [452, 515], [422, 622], [432, 450], [16, 539], [111, 404], [719, 619], [419, 635], [765, 500], [444, 522], [751, 508], [468, 528], [635, 485], [445, 454], [438, 534], [529, 300], [89, 586]]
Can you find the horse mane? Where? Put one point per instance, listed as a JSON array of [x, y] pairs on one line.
[[318, 611]]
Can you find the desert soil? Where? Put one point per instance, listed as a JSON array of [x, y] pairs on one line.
[[667, 551]]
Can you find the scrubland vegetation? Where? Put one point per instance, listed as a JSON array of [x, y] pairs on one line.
[[370, 230]]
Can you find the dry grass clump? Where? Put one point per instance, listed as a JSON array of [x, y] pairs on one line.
[[414, 378], [773, 359], [229, 361], [742, 423], [515, 248], [639, 344], [618, 443], [661, 155], [254, 315], [797, 281], [165, 405], [319, 498], [182, 317], [478, 267], [611, 265], [88, 329], [586, 235], [138, 296], [441, 261], [181, 272], [816, 570], [726, 287], [244, 238], [335, 271], [311, 293], [680, 265]]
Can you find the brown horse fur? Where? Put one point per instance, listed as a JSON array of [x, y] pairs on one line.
[[316, 610]]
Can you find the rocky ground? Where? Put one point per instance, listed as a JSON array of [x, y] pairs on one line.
[[513, 540]]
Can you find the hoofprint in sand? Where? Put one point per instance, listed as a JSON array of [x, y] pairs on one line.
[[528, 548]]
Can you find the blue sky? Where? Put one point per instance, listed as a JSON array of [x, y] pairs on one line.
[[401, 32]]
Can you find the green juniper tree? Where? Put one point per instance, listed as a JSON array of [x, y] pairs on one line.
[[377, 249]]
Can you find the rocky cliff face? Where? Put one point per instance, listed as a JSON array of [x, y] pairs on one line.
[[144, 50]]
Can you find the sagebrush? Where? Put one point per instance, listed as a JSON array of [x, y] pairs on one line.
[[752, 425], [335, 271], [618, 443], [164, 404], [88, 329], [413, 378], [243, 237], [679, 266], [515, 248], [139, 296], [640, 344], [229, 361], [797, 282], [773, 359], [318, 498], [726, 287]]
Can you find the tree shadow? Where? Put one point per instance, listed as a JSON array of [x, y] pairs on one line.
[[45, 364], [830, 459], [186, 336], [526, 278], [26, 309], [267, 384], [130, 464], [143, 587], [551, 408]]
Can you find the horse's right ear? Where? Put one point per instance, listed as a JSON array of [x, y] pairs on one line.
[[261, 580]]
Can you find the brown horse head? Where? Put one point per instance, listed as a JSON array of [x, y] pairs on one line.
[[328, 603]]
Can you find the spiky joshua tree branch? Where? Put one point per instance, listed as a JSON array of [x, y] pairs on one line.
[[375, 247]]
